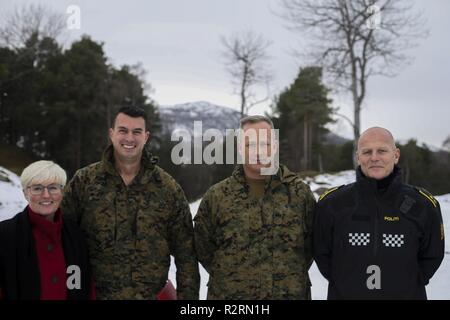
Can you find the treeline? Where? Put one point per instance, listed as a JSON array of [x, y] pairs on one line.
[[425, 168], [58, 104], [195, 179], [301, 113]]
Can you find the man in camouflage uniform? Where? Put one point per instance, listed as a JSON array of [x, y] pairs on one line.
[[253, 231], [134, 216]]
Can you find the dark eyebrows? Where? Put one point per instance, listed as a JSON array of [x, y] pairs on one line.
[[136, 130]]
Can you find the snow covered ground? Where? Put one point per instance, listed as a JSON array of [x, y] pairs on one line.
[[12, 201]]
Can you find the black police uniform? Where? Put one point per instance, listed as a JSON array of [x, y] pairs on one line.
[[378, 239]]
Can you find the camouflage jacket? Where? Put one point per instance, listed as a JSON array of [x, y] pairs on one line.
[[132, 230], [256, 248]]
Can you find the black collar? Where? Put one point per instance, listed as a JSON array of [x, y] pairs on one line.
[[386, 186]]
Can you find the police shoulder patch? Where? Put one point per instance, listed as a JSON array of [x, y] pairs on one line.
[[427, 195], [326, 193]]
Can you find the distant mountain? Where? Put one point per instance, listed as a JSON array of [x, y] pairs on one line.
[[334, 139], [422, 144], [182, 116]]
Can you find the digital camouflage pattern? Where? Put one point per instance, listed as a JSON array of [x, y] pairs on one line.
[[256, 248], [132, 230]]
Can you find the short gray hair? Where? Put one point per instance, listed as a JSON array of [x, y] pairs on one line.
[[43, 170], [255, 119]]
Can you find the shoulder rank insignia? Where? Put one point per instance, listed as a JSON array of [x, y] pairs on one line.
[[428, 196], [329, 191]]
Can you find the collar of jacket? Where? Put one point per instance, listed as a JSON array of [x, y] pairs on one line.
[[51, 229], [371, 184], [283, 175], [146, 173]]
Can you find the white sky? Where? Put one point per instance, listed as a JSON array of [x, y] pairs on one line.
[[178, 43]]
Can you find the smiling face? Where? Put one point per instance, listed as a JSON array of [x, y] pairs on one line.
[[128, 137], [44, 201], [377, 153], [258, 148]]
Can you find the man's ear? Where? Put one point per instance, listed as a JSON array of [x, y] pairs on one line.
[[397, 155], [357, 158], [110, 132]]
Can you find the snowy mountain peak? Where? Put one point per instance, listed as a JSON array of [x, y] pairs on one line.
[[197, 109], [182, 116]]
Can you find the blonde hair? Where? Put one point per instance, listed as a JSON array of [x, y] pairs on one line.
[[41, 171]]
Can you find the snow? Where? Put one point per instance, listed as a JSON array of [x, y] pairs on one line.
[[328, 181], [12, 201], [439, 287]]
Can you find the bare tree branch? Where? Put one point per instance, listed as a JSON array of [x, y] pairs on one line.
[[345, 118], [245, 56], [347, 45], [19, 26]]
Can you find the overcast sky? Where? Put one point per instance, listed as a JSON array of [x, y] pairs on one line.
[[178, 43]]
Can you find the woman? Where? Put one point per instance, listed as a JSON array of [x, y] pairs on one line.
[[42, 256]]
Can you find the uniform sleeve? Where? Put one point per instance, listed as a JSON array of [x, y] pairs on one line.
[[181, 242], [71, 200], [204, 233], [323, 239], [309, 221], [432, 245]]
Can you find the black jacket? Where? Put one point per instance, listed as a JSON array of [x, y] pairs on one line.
[[19, 268], [372, 243]]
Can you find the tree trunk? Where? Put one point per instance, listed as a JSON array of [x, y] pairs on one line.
[[310, 145], [305, 143], [356, 115], [319, 150], [243, 90], [320, 163]]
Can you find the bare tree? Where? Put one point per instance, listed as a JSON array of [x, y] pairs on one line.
[[18, 27], [245, 56], [356, 39]]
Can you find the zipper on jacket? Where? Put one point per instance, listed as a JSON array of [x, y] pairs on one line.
[[375, 233]]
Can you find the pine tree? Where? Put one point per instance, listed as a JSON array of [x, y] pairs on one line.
[[301, 113]]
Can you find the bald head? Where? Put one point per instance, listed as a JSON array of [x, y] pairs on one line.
[[378, 133], [377, 153]]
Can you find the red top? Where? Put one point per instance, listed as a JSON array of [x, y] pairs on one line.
[[50, 255]]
